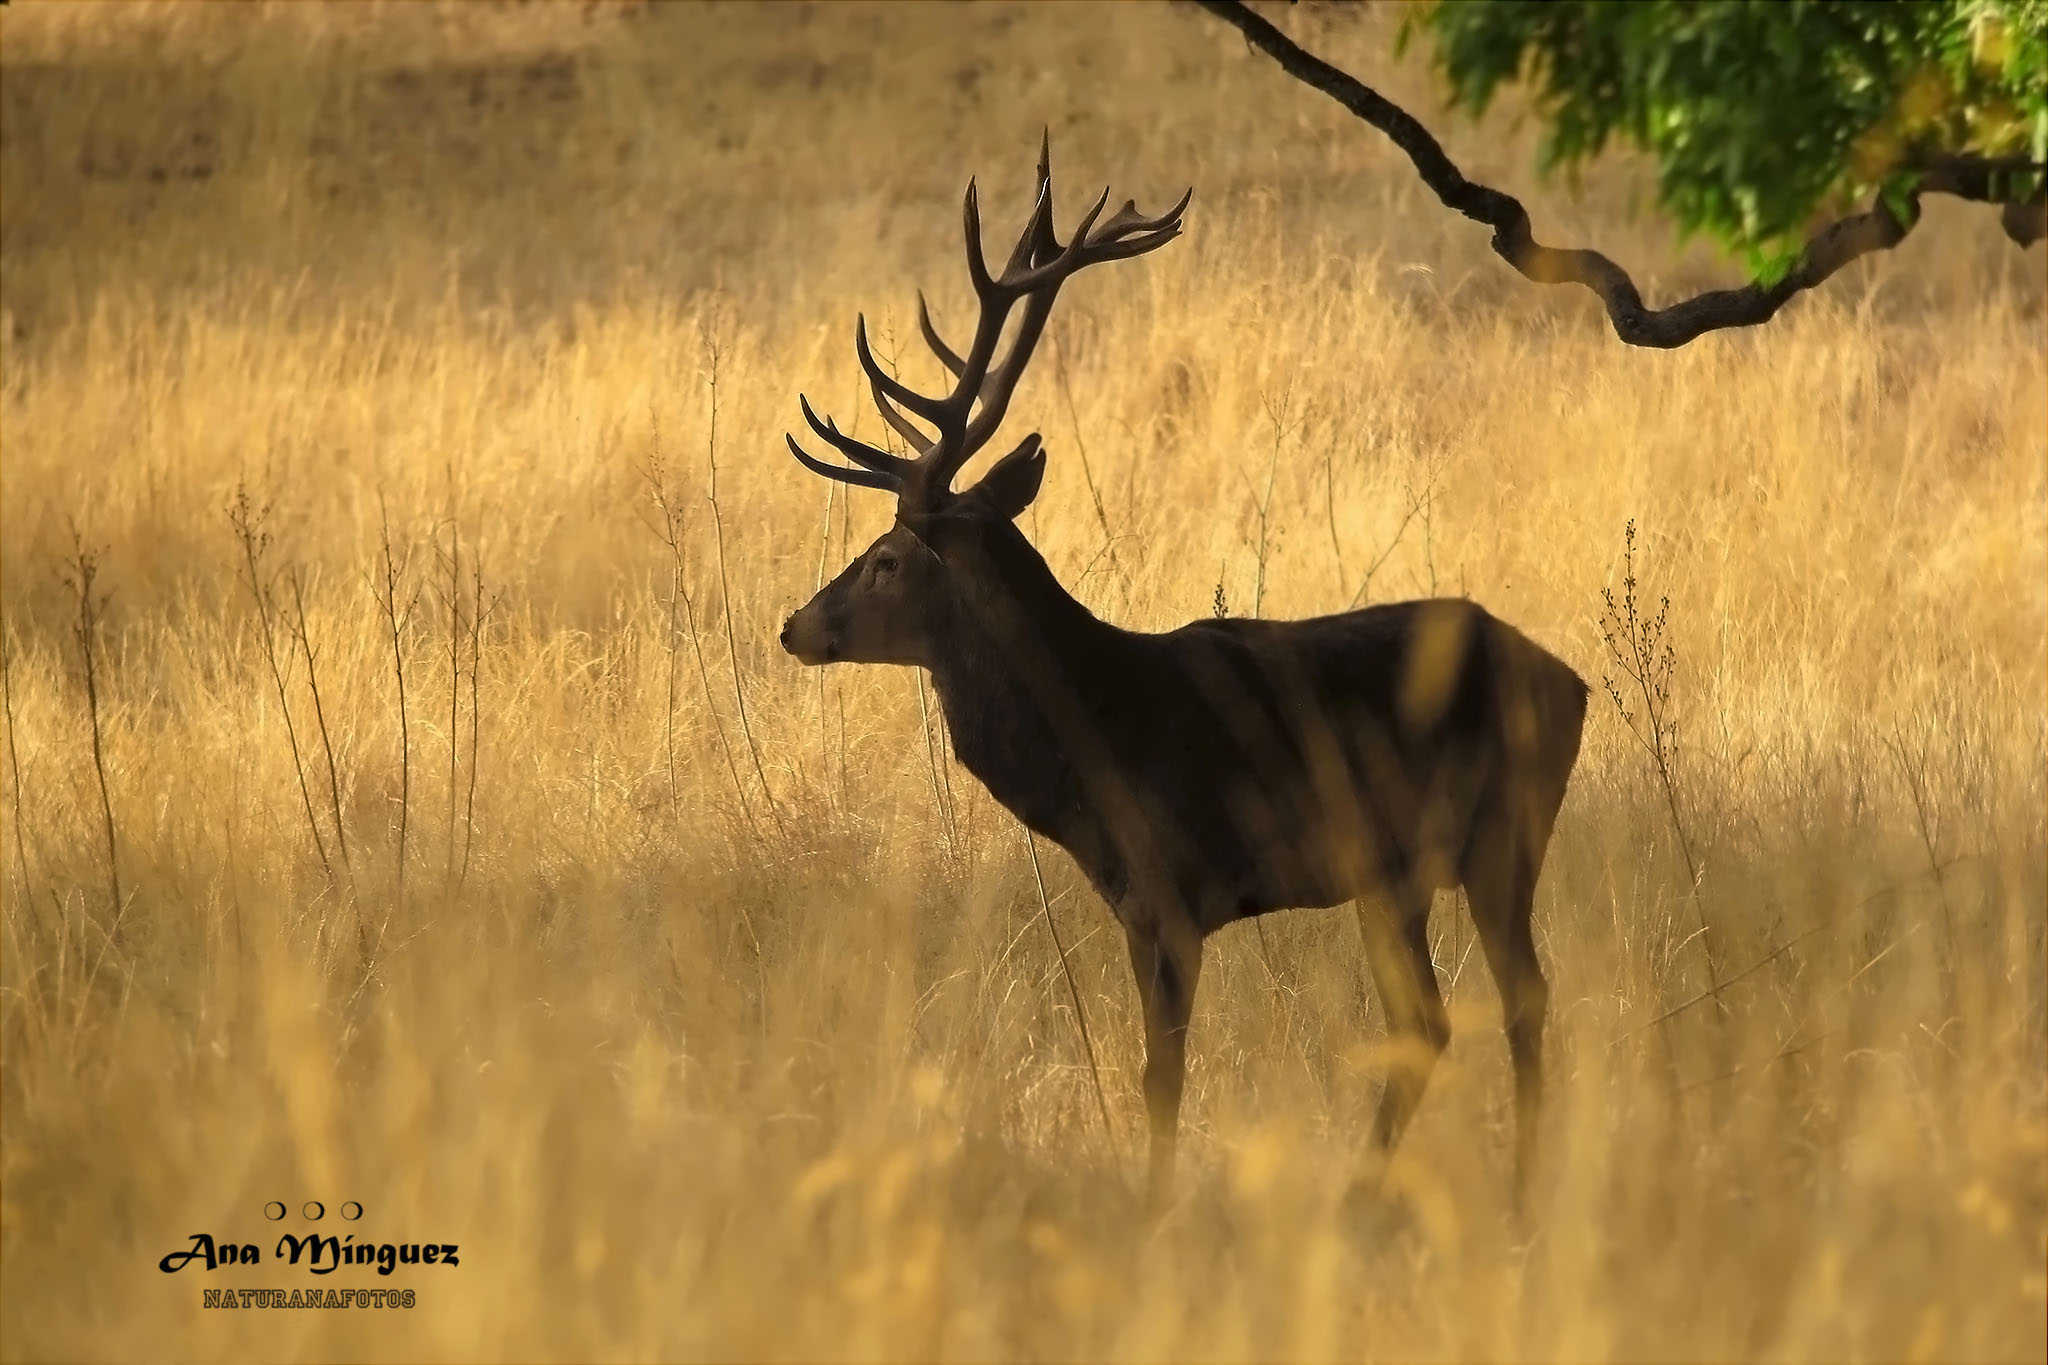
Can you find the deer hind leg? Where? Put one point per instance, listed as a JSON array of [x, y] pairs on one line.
[[1501, 883], [1167, 965], [1396, 932]]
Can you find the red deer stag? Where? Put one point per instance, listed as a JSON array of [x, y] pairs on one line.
[[1217, 771]]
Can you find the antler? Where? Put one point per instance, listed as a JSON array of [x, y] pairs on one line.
[[967, 417]]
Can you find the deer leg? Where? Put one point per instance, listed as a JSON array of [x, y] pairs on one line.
[[1397, 951], [1502, 889], [1167, 965]]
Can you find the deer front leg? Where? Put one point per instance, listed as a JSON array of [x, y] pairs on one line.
[[1167, 961], [1396, 929]]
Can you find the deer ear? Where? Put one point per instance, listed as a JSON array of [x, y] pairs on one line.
[[1012, 482]]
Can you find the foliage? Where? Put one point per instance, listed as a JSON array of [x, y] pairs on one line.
[[1761, 113]]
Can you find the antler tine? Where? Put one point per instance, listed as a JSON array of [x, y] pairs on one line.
[[1045, 241], [933, 410], [1037, 233], [902, 425], [1129, 220], [860, 478], [947, 356], [970, 222], [1088, 218], [860, 452], [1053, 273], [1132, 246]]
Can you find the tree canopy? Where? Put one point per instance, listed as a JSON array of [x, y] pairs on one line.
[[1761, 115], [1764, 119]]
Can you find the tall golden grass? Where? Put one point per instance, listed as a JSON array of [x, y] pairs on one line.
[[710, 1009]]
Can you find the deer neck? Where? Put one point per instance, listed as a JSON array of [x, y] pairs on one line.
[[1014, 676]]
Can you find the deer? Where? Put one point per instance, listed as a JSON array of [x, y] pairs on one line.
[[1224, 770]]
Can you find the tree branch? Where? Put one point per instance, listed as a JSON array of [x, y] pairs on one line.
[[1987, 180], [1826, 252]]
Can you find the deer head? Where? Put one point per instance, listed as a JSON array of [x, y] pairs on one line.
[[902, 598]]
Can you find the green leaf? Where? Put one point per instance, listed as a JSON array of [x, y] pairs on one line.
[[1759, 114]]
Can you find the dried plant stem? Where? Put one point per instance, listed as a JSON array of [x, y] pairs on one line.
[[824, 550], [247, 518], [670, 530], [1640, 649], [455, 635], [35, 1004], [942, 796], [38, 1005], [943, 745], [1330, 510], [1429, 540], [1914, 771], [396, 621], [840, 697], [671, 638], [670, 534], [305, 639], [1073, 991], [14, 762], [732, 654], [1277, 414], [1826, 926], [80, 573], [1265, 949], [480, 611], [1415, 505], [825, 537], [732, 765], [1059, 354]]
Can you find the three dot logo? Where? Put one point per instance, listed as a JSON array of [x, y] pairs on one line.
[[314, 1210]]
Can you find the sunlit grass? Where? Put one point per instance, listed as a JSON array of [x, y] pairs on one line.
[[741, 1036]]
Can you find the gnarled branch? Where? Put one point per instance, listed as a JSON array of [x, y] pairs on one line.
[[1827, 251]]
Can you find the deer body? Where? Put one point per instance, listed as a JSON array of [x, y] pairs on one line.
[[1268, 763], [1230, 767]]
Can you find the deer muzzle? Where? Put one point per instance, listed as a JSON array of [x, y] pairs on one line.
[[808, 636]]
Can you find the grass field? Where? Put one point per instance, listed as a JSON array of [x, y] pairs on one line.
[[698, 997]]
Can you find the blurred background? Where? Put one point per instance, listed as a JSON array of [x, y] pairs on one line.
[[407, 801]]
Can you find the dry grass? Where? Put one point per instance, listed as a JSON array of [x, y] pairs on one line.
[[703, 1046]]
